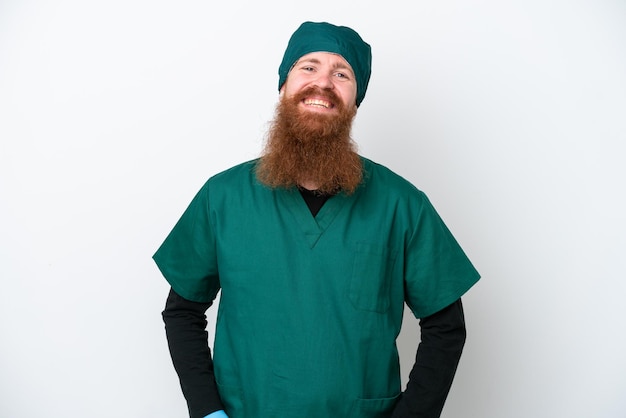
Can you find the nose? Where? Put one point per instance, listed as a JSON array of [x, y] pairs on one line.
[[324, 81]]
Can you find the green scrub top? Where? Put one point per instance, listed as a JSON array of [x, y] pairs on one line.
[[310, 308]]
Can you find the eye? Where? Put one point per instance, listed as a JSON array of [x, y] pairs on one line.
[[342, 75]]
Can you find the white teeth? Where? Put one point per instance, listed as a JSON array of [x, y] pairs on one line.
[[316, 102]]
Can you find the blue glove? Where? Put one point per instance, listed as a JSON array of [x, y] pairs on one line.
[[217, 414]]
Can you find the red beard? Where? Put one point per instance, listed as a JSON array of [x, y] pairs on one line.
[[311, 147]]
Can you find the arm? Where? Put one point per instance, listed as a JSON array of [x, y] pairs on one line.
[[438, 354], [185, 327]]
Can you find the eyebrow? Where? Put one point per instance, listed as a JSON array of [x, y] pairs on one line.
[[337, 65]]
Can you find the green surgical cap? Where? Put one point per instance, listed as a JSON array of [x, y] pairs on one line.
[[325, 37]]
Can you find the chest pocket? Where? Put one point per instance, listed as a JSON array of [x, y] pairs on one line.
[[370, 284]]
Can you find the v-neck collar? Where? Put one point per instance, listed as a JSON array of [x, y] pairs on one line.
[[312, 227]]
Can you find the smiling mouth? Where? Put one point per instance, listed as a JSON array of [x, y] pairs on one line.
[[318, 103]]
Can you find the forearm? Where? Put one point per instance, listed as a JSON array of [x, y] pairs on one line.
[[185, 326], [438, 354]]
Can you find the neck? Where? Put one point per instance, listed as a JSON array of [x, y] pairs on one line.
[[309, 185]]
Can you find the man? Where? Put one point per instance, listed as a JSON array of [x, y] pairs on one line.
[[315, 250]]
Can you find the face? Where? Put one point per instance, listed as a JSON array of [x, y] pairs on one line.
[[324, 72]]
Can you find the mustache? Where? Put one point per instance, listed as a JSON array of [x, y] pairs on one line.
[[327, 94]]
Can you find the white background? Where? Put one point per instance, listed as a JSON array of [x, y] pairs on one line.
[[510, 115]]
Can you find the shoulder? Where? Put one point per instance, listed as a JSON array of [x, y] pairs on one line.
[[236, 178], [236, 173], [382, 179]]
